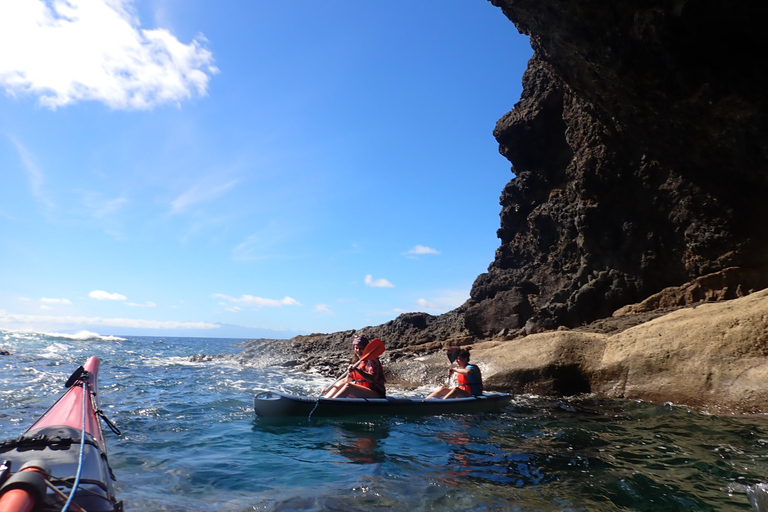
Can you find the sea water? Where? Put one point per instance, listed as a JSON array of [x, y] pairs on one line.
[[191, 442]]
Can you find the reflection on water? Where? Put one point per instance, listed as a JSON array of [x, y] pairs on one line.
[[361, 442]]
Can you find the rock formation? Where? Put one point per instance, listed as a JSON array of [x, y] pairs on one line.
[[712, 357], [640, 153]]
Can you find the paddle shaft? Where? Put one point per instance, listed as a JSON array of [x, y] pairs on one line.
[[452, 354]]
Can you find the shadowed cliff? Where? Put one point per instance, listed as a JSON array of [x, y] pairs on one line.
[[640, 149]]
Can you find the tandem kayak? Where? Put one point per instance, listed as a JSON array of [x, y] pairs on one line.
[[275, 404], [60, 462]]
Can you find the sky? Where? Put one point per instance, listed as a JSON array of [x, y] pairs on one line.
[[248, 168]]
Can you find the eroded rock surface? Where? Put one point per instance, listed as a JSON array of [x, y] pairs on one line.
[[712, 357], [640, 149]]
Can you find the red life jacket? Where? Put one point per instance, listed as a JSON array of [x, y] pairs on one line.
[[373, 367], [471, 382]]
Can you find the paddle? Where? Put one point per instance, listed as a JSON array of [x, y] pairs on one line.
[[373, 350], [453, 353]]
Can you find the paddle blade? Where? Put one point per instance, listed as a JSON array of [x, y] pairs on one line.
[[373, 350], [453, 353]]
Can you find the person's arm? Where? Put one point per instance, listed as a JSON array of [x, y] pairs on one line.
[[469, 370], [367, 376]]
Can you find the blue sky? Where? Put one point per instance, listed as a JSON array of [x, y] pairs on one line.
[[186, 167]]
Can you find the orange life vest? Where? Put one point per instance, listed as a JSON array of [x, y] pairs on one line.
[[471, 382]]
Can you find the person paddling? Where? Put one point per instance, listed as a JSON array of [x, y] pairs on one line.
[[364, 380], [470, 381]]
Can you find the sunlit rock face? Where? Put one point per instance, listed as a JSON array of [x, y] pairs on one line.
[[640, 153]]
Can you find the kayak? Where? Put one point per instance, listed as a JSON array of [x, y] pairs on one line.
[[63, 450], [272, 404]]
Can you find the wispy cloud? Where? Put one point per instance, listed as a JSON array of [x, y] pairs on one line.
[[35, 176], [266, 243], [147, 305], [252, 300], [377, 283], [94, 205], [422, 249], [11, 318], [59, 302], [203, 192], [322, 308], [102, 295], [75, 50]]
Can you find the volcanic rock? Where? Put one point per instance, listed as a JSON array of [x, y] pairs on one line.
[[640, 153]]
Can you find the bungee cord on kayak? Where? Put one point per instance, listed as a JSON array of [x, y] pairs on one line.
[[84, 376]]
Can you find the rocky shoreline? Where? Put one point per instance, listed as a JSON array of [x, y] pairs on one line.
[[710, 356]]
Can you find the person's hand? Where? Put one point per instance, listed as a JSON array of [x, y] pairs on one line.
[[451, 371]]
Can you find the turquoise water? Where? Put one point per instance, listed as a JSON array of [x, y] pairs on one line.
[[191, 442]]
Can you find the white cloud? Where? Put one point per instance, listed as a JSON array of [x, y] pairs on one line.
[[322, 308], [422, 249], [61, 302], [102, 295], [64, 51], [377, 283], [147, 305], [447, 301], [10, 318], [259, 301], [423, 303]]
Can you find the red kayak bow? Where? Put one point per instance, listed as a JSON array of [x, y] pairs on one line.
[[60, 462], [68, 410]]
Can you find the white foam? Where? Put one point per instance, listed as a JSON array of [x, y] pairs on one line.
[[84, 335], [80, 336]]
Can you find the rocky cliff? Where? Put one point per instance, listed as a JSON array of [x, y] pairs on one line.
[[640, 154]]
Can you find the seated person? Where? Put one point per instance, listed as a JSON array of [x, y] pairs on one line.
[[470, 382], [364, 380]]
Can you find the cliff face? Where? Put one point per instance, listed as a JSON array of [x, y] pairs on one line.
[[640, 153]]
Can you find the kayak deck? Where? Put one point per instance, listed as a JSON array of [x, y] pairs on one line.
[[277, 404], [43, 464]]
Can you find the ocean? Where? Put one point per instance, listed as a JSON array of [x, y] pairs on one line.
[[191, 442]]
